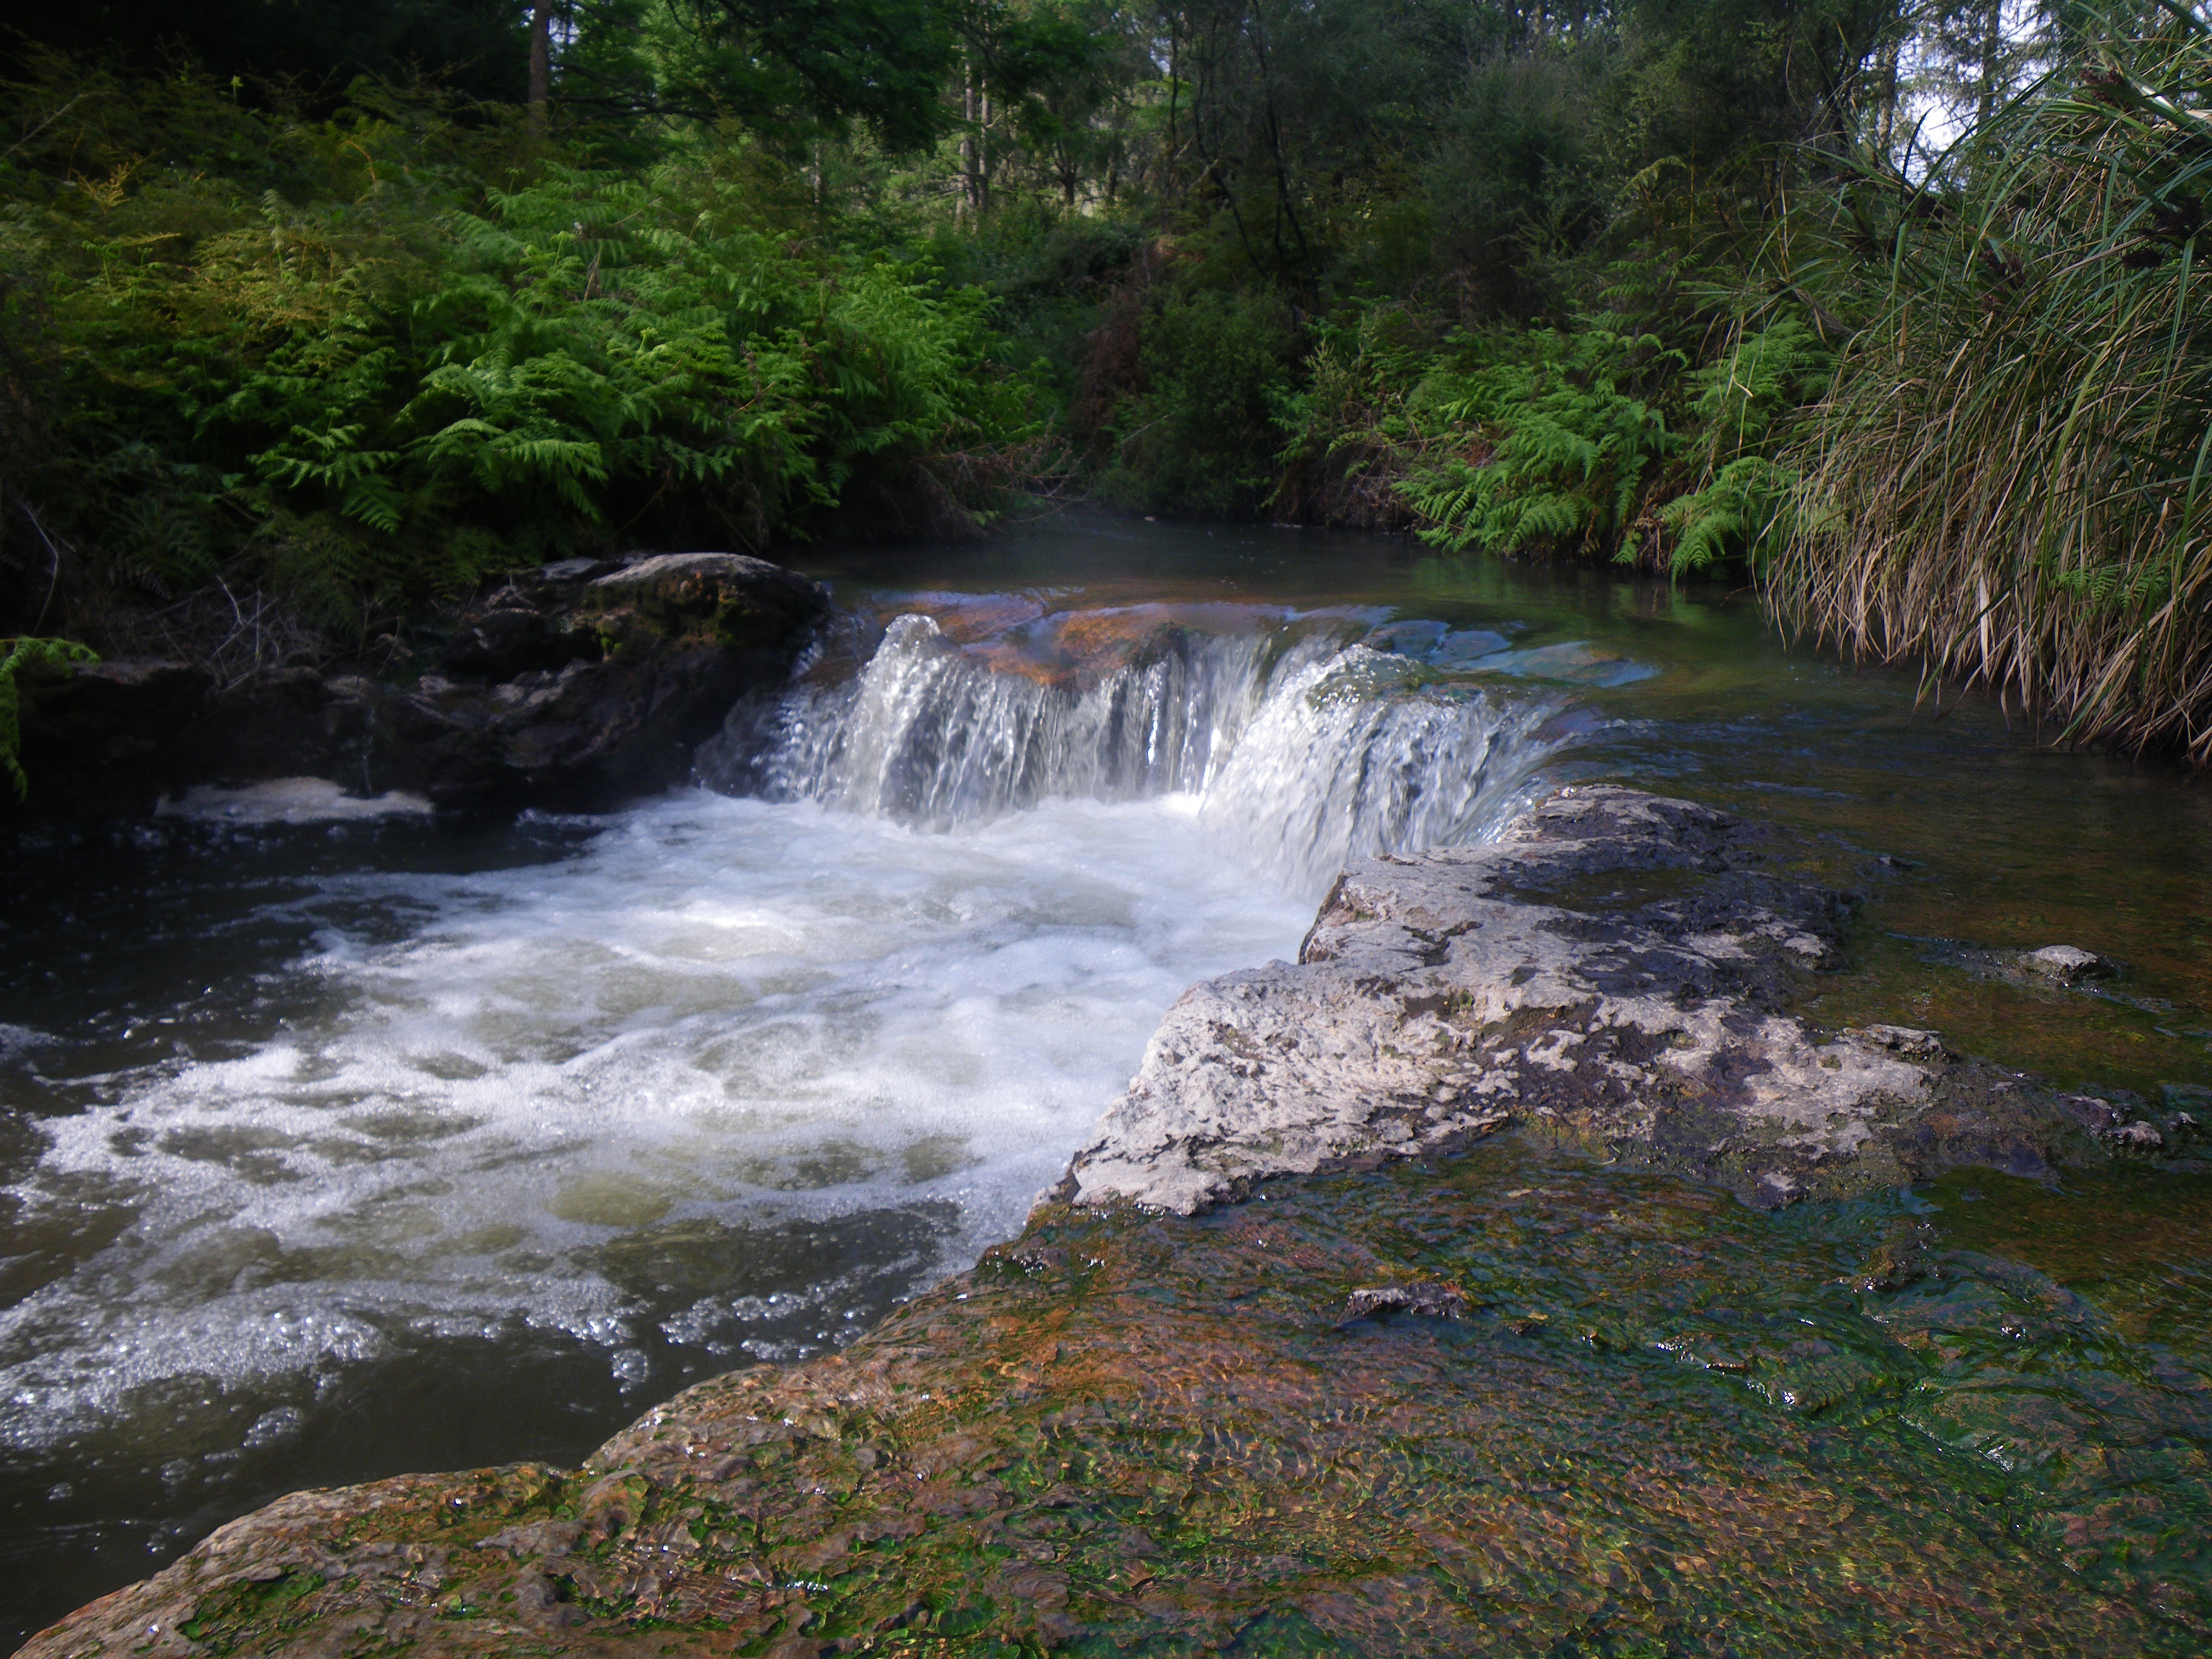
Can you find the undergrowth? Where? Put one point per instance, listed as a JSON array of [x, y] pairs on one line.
[[2012, 480], [1592, 441], [361, 369]]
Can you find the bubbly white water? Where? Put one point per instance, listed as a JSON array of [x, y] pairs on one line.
[[1301, 749], [904, 984], [290, 800]]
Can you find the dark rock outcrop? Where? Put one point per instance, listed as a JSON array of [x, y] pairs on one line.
[[104, 737], [568, 688]]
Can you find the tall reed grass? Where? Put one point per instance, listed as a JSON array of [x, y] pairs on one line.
[[2011, 481]]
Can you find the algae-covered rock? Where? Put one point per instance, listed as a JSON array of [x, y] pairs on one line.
[[1576, 1409], [732, 600]]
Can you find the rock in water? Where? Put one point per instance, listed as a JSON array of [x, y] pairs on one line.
[[586, 690], [2064, 963], [1428, 1300], [1615, 970]]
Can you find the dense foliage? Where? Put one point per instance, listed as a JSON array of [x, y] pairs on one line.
[[1888, 302], [405, 361], [2013, 476]]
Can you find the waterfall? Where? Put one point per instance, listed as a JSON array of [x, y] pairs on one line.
[[1298, 746], [1363, 754]]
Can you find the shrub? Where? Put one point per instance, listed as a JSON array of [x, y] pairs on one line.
[[1201, 436]]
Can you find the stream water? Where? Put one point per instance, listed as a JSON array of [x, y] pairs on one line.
[[335, 1146]]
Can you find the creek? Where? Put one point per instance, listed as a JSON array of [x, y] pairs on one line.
[[337, 1145]]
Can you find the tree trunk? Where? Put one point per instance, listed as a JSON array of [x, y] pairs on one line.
[[541, 65], [971, 182], [1993, 44], [983, 150]]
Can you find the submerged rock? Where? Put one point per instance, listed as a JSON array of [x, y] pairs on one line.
[[1616, 970], [2064, 963]]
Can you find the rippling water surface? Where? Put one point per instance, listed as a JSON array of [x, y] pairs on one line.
[[336, 1147]]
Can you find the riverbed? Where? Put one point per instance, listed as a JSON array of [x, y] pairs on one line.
[[337, 1147]]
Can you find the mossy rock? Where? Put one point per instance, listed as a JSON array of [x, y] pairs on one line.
[[729, 599]]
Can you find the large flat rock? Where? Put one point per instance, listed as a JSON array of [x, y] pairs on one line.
[[1633, 1420], [1616, 969]]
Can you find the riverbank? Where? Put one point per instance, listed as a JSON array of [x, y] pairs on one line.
[[1454, 1401], [568, 687]]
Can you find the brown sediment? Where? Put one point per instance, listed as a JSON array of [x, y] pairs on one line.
[[1075, 650], [965, 619]]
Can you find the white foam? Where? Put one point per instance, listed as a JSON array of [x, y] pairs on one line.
[[289, 800], [723, 1009], [20, 1039], [724, 1012], [1359, 753]]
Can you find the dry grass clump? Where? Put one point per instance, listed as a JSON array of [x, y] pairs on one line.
[[2011, 481]]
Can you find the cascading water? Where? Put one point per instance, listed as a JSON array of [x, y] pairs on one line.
[[621, 1100], [1300, 748], [928, 735], [1357, 754]]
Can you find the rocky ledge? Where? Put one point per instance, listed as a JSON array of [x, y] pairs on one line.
[[566, 688], [1518, 1400], [1615, 971]]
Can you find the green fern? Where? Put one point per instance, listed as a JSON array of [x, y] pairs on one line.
[[20, 653], [1746, 405], [1555, 452], [352, 399], [1747, 507]]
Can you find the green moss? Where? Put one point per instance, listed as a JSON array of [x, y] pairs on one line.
[[220, 1621], [1666, 1424]]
